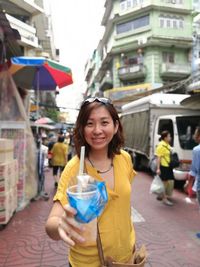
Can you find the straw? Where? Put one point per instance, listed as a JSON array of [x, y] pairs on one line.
[[80, 175], [82, 157]]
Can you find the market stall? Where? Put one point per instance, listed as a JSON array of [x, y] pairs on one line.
[[14, 125]]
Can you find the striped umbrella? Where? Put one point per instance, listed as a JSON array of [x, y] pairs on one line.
[[39, 73]]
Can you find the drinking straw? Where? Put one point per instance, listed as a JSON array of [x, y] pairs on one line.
[[82, 157]]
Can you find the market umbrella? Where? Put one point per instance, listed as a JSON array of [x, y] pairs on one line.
[[39, 73], [44, 120]]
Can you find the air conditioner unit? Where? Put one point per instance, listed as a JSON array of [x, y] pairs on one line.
[[142, 40]]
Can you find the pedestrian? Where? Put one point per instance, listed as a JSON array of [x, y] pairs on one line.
[[164, 170], [98, 128], [195, 167], [52, 141], [59, 158]]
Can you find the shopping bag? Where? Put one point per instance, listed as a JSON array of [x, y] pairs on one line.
[[157, 186], [153, 164]]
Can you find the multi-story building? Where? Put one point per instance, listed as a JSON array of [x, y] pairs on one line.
[[193, 85], [146, 44], [20, 14], [32, 19]]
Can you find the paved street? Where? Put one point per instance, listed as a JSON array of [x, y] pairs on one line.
[[168, 232]]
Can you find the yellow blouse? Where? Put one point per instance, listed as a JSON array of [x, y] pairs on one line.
[[115, 226], [163, 151], [59, 154]]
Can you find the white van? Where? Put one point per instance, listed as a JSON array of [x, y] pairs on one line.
[[143, 121]]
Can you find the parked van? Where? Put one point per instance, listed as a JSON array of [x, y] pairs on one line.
[[143, 121]]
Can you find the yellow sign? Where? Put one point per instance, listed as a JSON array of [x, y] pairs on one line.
[[127, 91]]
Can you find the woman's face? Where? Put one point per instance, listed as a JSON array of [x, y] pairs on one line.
[[197, 136], [99, 129], [168, 138]]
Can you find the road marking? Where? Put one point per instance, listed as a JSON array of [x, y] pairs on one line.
[[136, 217]]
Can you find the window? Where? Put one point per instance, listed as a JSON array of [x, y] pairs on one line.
[[186, 126], [181, 24], [168, 57], [162, 23], [123, 5], [166, 125], [169, 21], [175, 24], [133, 24], [129, 3]]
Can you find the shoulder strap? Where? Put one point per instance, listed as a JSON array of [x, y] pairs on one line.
[[100, 248]]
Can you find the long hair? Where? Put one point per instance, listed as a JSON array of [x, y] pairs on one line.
[[117, 141]]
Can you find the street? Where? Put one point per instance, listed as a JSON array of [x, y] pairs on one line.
[[169, 233]]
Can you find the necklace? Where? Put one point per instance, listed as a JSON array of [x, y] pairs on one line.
[[111, 165]]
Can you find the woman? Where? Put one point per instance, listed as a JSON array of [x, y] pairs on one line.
[[195, 167], [59, 158], [97, 128], [164, 170]]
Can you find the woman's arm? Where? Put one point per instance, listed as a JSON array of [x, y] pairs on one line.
[[62, 225], [158, 165]]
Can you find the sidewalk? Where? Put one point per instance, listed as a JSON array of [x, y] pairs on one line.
[[168, 232]]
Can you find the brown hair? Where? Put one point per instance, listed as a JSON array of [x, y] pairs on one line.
[[164, 134], [79, 140]]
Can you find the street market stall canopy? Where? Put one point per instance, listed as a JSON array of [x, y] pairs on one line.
[[39, 73]]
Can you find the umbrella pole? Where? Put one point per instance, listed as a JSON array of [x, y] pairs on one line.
[[37, 99]]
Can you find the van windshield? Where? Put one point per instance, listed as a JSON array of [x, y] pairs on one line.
[[186, 127]]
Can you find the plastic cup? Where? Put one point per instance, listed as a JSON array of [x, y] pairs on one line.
[[84, 199]]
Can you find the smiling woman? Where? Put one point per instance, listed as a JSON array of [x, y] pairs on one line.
[[98, 128]]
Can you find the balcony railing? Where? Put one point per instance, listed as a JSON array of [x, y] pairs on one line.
[[132, 72], [106, 83], [28, 5], [175, 70], [27, 32]]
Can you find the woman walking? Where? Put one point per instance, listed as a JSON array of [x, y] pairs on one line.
[[98, 128], [164, 170], [59, 158]]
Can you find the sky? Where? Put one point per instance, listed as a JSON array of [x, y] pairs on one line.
[[77, 32]]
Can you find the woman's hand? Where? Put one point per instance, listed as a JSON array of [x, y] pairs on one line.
[[158, 172], [69, 229]]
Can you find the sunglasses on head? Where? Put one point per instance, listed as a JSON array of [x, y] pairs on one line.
[[102, 100]]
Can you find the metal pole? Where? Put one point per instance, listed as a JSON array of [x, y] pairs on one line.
[[37, 98]]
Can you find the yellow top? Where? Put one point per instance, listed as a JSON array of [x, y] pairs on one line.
[[59, 154], [163, 151], [116, 229]]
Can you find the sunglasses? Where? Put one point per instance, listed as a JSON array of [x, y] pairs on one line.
[[102, 100]]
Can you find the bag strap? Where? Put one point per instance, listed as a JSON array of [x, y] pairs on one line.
[[100, 248]]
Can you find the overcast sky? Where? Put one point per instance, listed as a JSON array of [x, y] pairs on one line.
[[77, 32]]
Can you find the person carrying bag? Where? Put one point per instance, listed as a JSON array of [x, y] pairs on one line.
[[164, 168]]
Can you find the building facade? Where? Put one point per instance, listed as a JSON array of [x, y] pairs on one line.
[[33, 22], [32, 19], [146, 44]]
